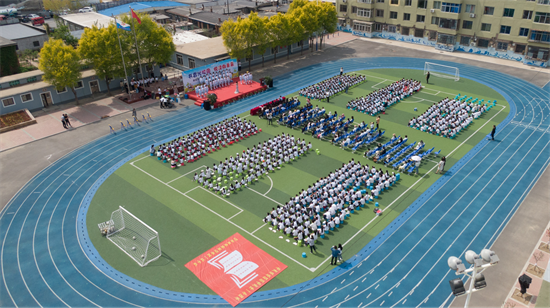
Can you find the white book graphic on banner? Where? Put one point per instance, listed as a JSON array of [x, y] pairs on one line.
[[242, 272]]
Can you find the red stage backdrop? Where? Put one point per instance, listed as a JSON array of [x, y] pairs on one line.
[[235, 268]]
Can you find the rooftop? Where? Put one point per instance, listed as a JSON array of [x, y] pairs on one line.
[[4, 42], [210, 18], [185, 37], [87, 20], [204, 49], [141, 7], [18, 31]]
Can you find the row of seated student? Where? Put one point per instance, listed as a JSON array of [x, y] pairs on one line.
[[332, 86], [379, 100]]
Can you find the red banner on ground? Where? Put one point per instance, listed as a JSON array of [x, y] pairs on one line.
[[235, 268]]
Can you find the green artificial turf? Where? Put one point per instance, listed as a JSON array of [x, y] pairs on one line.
[[191, 219]]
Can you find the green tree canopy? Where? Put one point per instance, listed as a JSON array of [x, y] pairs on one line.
[[60, 64], [296, 4], [62, 32], [279, 32], [232, 39], [155, 43], [328, 19], [99, 47]]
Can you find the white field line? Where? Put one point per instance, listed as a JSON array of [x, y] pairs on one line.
[[179, 177], [271, 185], [233, 205], [375, 86], [265, 196], [257, 229], [226, 219]]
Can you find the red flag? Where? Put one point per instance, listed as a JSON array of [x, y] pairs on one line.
[[134, 15]]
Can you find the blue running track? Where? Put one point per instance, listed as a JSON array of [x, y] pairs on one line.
[[46, 259]]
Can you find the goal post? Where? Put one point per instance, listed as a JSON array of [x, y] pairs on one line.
[[134, 237], [443, 71]]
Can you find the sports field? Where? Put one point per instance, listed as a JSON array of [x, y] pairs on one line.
[[191, 219]]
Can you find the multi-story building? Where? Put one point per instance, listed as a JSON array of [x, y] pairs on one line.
[[510, 29]]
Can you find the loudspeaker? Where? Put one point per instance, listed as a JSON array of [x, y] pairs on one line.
[[206, 105]]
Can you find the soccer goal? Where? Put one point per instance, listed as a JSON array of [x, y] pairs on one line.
[[442, 71], [134, 237]]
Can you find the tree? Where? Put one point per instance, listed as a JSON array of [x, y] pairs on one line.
[[253, 32], [155, 43], [308, 18], [328, 19], [56, 6], [99, 47], [232, 39], [296, 4], [296, 34], [263, 43], [279, 29], [62, 32], [61, 65]]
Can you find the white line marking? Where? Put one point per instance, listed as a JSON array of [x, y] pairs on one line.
[[264, 196], [179, 177], [271, 185], [257, 229]]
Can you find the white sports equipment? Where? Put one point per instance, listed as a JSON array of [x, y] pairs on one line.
[[443, 71], [139, 241]]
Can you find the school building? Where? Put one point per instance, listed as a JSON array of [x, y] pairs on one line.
[[516, 30]]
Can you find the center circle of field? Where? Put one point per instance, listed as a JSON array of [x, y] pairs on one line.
[[139, 183]]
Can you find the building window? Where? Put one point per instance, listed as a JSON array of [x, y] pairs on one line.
[[483, 43], [540, 36], [31, 79], [191, 63], [379, 1], [446, 39], [393, 15], [14, 83], [405, 30], [520, 48], [179, 59], [341, 22], [527, 14], [467, 24], [451, 7], [470, 8], [435, 20], [544, 2], [392, 28], [354, 10], [61, 91], [489, 10], [365, 1], [432, 36], [406, 16], [447, 23], [523, 31], [364, 12], [362, 27], [542, 17], [343, 8], [537, 53], [508, 13], [378, 27], [36, 43], [422, 4], [79, 85], [502, 46], [379, 13], [505, 29], [437, 5], [418, 32], [396, 2], [420, 18], [27, 97], [8, 102], [465, 40], [408, 2], [485, 27]]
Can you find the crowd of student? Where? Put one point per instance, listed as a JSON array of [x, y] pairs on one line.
[[379, 100], [325, 204], [252, 163], [216, 79], [246, 78], [447, 117], [331, 86], [193, 146]]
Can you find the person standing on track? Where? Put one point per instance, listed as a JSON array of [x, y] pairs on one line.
[[311, 243], [428, 77], [493, 132], [341, 71]]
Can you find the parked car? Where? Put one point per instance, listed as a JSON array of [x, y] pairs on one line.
[[31, 16], [86, 9], [24, 19], [37, 21]]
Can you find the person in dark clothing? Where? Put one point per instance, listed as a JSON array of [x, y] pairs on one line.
[[428, 77], [67, 121], [335, 253], [493, 132]]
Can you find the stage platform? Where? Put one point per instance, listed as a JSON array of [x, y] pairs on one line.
[[227, 94]]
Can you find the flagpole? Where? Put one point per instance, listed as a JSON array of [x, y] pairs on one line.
[[122, 55], [137, 49]]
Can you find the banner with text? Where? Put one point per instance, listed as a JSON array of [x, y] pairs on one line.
[[235, 268], [191, 77]]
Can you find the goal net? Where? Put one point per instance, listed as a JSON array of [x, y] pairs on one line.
[[442, 71], [134, 237]]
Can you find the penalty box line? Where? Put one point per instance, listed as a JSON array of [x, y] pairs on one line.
[[222, 217]]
